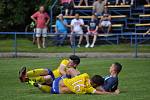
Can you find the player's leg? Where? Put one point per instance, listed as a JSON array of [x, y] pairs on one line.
[[37, 72], [42, 79], [43, 88]]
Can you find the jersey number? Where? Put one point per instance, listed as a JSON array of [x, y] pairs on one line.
[[77, 86]]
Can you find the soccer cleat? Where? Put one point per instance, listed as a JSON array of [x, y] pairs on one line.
[[87, 45], [22, 74], [36, 84], [31, 82]]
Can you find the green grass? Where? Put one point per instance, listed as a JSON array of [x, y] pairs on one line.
[[134, 79], [27, 46]]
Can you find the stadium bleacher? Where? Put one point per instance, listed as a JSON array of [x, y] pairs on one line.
[[126, 19]]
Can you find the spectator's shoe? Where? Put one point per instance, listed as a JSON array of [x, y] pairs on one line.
[[39, 47], [43, 45], [92, 46], [78, 46], [87, 45], [22, 74]]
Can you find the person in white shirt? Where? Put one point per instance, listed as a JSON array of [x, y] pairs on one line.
[[76, 28]]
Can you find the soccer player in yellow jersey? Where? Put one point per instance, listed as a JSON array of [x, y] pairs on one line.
[[80, 84], [66, 68]]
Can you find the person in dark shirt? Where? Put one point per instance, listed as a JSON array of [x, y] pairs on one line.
[[111, 81], [92, 29]]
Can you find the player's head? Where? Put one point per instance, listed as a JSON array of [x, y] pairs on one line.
[[42, 8], [77, 16], [97, 80], [74, 61], [115, 68]]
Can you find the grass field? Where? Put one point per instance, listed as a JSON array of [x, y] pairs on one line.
[[27, 46], [134, 79]]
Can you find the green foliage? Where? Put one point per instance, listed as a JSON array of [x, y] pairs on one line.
[[15, 14]]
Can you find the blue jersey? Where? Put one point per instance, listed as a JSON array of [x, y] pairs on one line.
[[110, 83]]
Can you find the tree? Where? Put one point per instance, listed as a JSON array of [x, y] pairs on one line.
[[15, 14]]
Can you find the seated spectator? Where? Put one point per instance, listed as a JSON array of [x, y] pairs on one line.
[[98, 7], [81, 1], [148, 2], [105, 22], [61, 30], [117, 2], [76, 28], [68, 5], [92, 30]]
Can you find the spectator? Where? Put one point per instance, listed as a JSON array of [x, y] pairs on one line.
[[76, 28], [148, 2], [68, 5], [92, 30], [86, 2], [41, 19], [99, 7], [61, 30], [105, 22]]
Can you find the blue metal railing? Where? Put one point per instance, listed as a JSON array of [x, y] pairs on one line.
[[51, 14], [31, 33]]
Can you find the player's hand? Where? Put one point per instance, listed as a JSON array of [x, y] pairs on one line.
[[117, 91]]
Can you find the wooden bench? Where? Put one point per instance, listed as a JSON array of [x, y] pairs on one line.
[[146, 24], [144, 17], [88, 17], [109, 6], [114, 25], [146, 6]]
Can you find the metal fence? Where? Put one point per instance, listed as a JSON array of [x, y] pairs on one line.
[[15, 46]]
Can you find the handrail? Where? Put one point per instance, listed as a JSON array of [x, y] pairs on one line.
[[51, 14]]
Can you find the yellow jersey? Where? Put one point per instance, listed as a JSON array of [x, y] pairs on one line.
[[56, 72], [79, 84]]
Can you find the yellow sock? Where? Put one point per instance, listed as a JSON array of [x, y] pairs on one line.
[[36, 72], [39, 79], [45, 88]]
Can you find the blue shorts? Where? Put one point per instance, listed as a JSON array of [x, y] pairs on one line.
[[55, 86], [51, 74]]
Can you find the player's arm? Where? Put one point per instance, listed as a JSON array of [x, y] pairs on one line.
[[62, 69], [104, 92], [73, 72]]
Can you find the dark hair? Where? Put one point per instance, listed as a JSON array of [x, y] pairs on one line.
[[97, 80], [75, 59], [118, 67]]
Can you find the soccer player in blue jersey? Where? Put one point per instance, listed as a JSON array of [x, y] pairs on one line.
[[111, 81]]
